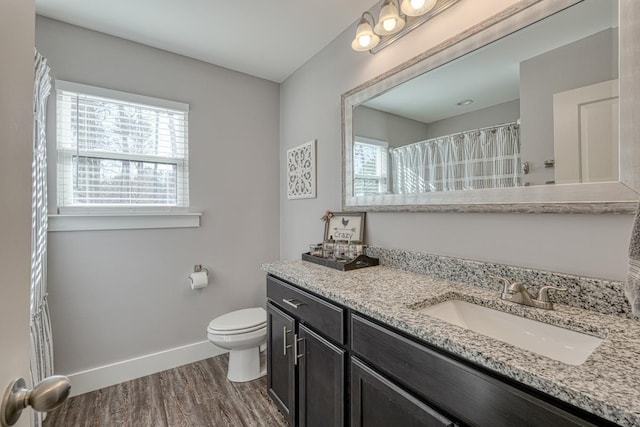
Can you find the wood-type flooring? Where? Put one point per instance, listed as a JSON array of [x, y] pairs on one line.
[[194, 395]]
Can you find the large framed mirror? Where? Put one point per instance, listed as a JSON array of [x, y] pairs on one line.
[[534, 110]]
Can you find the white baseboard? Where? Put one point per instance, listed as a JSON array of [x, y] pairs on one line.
[[115, 373]]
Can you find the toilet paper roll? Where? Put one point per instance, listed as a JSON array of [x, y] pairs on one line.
[[199, 279]]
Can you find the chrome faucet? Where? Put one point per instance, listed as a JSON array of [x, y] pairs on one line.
[[518, 293]]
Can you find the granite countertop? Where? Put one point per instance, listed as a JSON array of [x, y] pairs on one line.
[[607, 384]]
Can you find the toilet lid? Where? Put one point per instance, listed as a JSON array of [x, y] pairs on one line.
[[237, 331], [247, 319]]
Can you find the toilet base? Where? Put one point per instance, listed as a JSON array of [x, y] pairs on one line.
[[244, 365]]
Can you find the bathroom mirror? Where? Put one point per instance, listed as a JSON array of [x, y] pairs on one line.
[[529, 111]]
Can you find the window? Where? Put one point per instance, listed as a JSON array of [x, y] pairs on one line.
[[119, 152], [370, 166]]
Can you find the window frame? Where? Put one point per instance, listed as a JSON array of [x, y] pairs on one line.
[[113, 216], [384, 176]]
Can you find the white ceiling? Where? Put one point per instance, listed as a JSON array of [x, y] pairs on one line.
[[263, 38]]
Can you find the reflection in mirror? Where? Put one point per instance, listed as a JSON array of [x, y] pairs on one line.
[[561, 126], [539, 106]]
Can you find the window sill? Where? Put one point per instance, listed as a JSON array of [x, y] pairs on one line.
[[122, 221]]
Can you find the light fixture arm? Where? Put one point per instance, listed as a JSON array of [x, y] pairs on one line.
[[372, 20], [400, 12]]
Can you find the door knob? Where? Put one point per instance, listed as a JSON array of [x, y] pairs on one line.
[[47, 395]]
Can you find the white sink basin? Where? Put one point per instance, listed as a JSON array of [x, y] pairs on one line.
[[557, 343]]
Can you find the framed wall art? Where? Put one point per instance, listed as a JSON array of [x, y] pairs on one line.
[[301, 171], [345, 226]]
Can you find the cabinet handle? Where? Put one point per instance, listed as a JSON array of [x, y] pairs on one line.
[[284, 340], [292, 303], [296, 356]]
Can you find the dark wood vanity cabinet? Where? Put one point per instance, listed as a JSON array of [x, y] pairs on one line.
[[392, 379], [467, 394], [306, 363]]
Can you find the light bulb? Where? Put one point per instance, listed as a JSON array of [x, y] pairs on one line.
[[364, 40], [417, 7], [389, 24]]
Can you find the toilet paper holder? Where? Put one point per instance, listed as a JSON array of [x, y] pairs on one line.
[[196, 279], [198, 268]]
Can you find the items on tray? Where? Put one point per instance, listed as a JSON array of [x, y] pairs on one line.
[[338, 249]]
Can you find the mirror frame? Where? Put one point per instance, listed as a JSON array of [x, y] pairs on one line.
[[604, 197]]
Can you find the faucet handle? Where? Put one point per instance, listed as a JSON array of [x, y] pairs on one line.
[[517, 287], [505, 282], [543, 295]]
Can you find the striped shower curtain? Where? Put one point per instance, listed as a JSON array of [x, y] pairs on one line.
[[41, 344], [483, 158]]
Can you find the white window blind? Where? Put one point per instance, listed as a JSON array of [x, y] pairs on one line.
[[120, 152], [370, 168]]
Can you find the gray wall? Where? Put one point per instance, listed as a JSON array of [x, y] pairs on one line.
[[591, 245], [395, 130], [587, 61], [119, 294], [506, 112]]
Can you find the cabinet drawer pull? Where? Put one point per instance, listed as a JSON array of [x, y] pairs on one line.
[[284, 340], [292, 302], [296, 355]]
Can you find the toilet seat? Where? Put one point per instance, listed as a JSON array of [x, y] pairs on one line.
[[239, 322], [237, 331]]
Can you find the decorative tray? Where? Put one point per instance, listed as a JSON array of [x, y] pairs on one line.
[[342, 264]]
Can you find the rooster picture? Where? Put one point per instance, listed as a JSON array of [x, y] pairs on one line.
[[343, 227]]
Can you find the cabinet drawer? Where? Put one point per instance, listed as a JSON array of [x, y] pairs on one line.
[[468, 394], [321, 315]]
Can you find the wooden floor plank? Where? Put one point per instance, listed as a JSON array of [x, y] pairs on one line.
[[77, 411], [197, 394], [136, 403]]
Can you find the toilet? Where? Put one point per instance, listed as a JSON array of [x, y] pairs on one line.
[[242, 332]]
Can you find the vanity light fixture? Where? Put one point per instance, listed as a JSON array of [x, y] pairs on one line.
[[393, 24]]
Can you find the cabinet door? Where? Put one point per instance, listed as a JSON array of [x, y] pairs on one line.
[[280, 367], [377, 402], [321, 368]]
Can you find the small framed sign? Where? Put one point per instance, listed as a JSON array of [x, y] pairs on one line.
[[345, 226]]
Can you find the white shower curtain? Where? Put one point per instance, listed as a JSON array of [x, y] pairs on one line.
[[41, 344], [483, 158]]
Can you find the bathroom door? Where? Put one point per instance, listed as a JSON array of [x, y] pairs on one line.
[[586, 134], [17, 31]]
